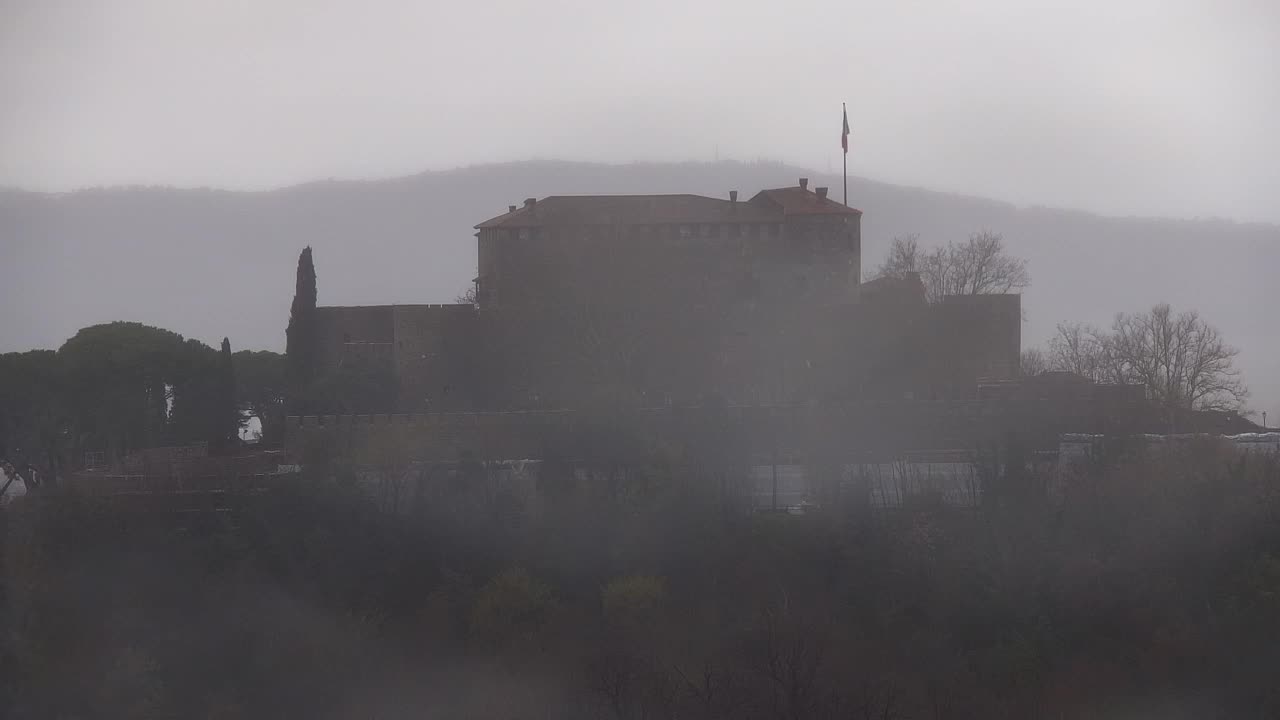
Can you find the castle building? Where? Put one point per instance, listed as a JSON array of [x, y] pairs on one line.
[[658, 300], [738, 330], [663, 298]]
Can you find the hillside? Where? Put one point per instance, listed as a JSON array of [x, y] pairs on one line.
[[209, 263]]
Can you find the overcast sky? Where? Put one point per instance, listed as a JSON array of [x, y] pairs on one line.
[[1120, 106]]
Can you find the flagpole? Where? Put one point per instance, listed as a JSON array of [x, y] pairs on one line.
[[845, 158]]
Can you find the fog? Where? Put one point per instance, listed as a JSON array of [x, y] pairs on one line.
[[1146, 107], [643, 457], [1149, 109]]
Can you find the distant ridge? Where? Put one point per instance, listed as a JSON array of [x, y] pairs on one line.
[[209, 262]]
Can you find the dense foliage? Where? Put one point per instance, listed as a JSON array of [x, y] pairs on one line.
[[261, 378], [114, 388], [1148, 588]]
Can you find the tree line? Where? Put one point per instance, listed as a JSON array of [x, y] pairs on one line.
[[117, 387], [1181, 359], [1144, 586], [121, 386]]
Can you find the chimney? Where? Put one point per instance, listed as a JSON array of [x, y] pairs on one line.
[[733, 196], [822, 193], [804, 183], [530, 202], [511, 208]]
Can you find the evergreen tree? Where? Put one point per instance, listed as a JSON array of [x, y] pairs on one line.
[[301, 342], [261, 388], [229, 420], [197, 396], [115, 380]]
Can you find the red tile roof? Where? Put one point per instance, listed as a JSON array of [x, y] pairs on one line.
[[632, 210], [799, 201]]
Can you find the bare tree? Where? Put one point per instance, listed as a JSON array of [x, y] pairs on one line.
[[1081, 349], [1180, 359], [978, 266], [468, 296], [1032, 362], [903, 257]]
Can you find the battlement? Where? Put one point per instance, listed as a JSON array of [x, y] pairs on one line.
[[423, 419], [877, 429], [446, 307], [387, 308]]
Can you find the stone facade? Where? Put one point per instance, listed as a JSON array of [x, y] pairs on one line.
[[660, 300], [701, 330], [666, 299], [431, 349]]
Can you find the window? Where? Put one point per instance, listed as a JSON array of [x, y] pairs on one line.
[[346, 337], [685, 232]]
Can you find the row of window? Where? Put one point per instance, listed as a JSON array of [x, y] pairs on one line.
[[709, 230], [682, 230]]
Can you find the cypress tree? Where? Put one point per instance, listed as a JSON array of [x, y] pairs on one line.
[[301, 343], [229, 420]]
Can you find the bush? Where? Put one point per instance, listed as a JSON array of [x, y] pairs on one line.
[[632, 600], [510, 608]]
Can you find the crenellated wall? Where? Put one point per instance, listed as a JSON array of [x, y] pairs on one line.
[[872, 431]]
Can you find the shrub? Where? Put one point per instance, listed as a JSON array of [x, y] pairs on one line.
[[510, 607]]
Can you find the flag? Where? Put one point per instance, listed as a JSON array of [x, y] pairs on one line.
[[844, 135]]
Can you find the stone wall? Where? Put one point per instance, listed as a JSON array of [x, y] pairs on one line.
[[431, 349], [436, 352], [667, 312], [846, 432], [344, 331], [582, 344], [981, 333]]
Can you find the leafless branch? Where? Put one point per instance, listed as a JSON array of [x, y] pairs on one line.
[[978, 266], [1180, 359]]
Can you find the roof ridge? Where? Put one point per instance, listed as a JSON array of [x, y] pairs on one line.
[[659, 208], [634, 195]]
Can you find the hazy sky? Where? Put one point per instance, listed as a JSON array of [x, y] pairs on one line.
[[1119, 106]]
